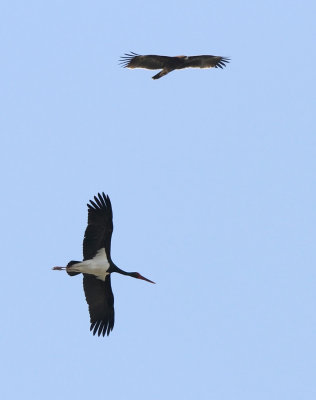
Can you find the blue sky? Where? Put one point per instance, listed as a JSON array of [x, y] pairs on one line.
[[211, 174]]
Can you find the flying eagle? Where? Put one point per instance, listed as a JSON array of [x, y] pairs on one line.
[[168, 64]]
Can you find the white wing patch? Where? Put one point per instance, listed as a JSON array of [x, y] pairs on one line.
[[97, 266]]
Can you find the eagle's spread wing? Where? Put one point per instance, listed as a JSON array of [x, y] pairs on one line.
[[206, 62], [133, 60], [168, 64], [100, 299], [100, 227]]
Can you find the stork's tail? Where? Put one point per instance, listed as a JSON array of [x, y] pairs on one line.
[[69, 265]]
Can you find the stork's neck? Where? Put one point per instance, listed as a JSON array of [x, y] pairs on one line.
[[136, 275], [115, 268]]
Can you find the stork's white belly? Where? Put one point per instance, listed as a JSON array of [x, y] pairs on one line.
[[97, 266]]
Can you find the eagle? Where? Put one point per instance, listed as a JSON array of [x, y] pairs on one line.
[[168, 64]]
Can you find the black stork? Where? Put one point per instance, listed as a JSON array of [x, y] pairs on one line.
[[97, 265]]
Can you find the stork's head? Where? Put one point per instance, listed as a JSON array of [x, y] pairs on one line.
[[139, 276]]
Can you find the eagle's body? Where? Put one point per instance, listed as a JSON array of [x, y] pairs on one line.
[[168, 64]]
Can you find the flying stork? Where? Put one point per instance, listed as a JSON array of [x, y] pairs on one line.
[[97, 265]]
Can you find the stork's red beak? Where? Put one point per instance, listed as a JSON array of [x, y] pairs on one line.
[[144, 279]]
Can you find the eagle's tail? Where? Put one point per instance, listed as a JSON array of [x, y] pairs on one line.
[[162, 73]]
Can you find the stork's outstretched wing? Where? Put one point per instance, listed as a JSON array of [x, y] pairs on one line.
[[98, 233], [100, 299]]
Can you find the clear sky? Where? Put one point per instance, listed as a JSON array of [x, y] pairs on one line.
[[211, 174]]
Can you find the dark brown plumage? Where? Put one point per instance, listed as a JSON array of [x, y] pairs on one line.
[[168, 64]]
